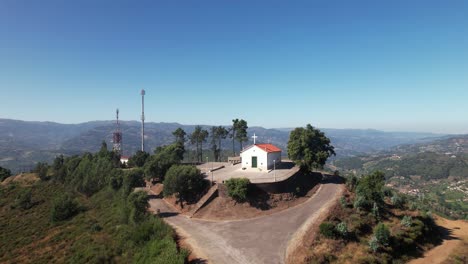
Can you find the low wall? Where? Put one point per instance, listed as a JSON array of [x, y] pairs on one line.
[[298, 182]]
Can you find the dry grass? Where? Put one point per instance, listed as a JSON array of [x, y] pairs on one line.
[[24, 179], [355, 249], [454, 248]]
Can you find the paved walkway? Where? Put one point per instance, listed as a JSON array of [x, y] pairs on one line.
[[259, 240], [282, 171]]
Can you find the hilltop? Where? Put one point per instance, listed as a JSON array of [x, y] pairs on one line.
[[24, 143]]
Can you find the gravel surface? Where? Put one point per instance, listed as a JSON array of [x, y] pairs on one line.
[[259, 240]]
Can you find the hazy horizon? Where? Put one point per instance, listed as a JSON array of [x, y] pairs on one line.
[[390, 66], [227, 125]]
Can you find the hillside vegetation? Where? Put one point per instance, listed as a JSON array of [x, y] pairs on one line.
[[372, 224], [83, 211], [23, 143], [435, 174]]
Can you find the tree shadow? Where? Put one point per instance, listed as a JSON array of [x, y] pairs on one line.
[[332, 179], [153, 196], [198, 261], [167, 214], [286, 165], [258, 198], [445, 234]]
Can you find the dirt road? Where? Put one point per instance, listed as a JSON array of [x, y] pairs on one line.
[[259, 240], [455, 242]]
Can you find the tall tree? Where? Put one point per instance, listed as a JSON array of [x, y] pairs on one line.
[[180, 139], [139, 159], [157, 165], [233, 131], [309, 147], [217, 134], [197, 138], [241, 132], [179, 135], [185, 182]]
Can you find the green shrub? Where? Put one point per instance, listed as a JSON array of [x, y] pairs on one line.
[[152, 228], [131, 179], [407, 221], [374, 244], [382, 234], [413, 206], [185, 181], [138, 203], [376, 211], [387, 192], [343, 202], [42, 170], [370, 188], [24, 199], [342, 229], [154, 238], [351, 183], [327, 229], [237, 188], [4, 173], [360, 203], [161, 251], [63, 208], [397, 201]]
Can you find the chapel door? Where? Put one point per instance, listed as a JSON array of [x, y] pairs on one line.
[[254, 162]]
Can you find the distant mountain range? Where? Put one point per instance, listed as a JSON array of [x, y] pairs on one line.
[[437, 159], [23, 143]]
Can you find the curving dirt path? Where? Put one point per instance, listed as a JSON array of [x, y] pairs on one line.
[[455, 240], [260, 240]]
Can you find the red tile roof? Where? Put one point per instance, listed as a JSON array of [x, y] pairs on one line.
[[268, 147]]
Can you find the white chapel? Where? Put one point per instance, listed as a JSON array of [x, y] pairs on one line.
[[261, 156]]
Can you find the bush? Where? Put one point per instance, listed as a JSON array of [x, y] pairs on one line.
[[42, 170], [133, 178], [342, 229], [152, 228], [139, 159], [407, 221], [343, 202], [387, 192], [24, 199], [4, 173], [374, 244], [413, 206], [155, 240], [64, 207], [376, 211], [185, 181], [370, 188], [237, 188], [327, 229], [138, 202], [382, 234], [351, 183], [397, 201], [360, 203]]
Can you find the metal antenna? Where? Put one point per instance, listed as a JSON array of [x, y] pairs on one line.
[[142, 120], [117, 135]]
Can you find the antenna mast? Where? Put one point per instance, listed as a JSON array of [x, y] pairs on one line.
[[117, 135], [142, 120]]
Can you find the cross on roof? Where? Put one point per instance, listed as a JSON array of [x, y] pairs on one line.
[[254, 138]]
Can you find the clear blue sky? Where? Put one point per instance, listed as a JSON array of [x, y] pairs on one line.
[[389, 65]]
